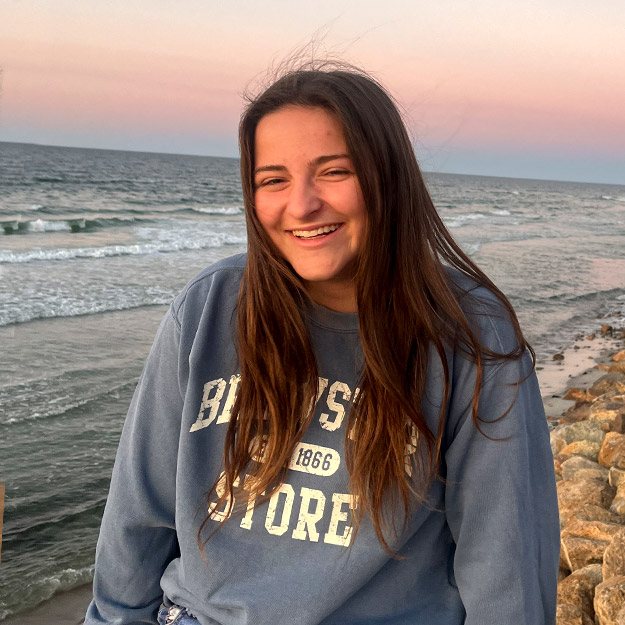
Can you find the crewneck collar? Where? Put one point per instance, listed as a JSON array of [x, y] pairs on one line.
[[330, 319]]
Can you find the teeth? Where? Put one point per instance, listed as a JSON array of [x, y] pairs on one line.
[[309, 234]]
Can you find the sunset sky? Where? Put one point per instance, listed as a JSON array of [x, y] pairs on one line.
[[523, 89]]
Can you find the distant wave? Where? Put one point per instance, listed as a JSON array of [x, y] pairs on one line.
[[457, 221], [62, 224], [74, 308], [500, 211], [209, 240], [219, 210], [59, 411]]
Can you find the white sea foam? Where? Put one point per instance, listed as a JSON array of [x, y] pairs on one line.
[[461, 220], [171, 245], [41, 225], [501, 211], [219, 210]]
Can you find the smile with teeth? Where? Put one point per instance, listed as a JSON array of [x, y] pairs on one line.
[[317, 232]]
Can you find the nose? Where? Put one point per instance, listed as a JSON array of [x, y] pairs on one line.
[[304, 199]]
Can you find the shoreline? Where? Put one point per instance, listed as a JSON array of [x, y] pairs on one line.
[[579, 367], [65, 608]]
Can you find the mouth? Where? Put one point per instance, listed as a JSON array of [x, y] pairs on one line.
[[316, 233]]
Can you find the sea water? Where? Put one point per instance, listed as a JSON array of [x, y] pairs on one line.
[[94, 244]]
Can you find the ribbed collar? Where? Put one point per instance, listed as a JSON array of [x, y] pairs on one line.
[[330, 319]]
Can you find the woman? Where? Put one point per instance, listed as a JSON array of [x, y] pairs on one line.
[[354, 395]]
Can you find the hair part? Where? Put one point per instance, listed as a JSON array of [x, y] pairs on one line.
[[407, 304]]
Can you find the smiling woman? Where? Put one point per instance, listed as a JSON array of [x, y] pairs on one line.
[[350, 407], [310, 202]]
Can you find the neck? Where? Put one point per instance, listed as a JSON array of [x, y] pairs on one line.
[[337, 297]]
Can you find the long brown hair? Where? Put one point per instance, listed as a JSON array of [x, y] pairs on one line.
[[407, 304]]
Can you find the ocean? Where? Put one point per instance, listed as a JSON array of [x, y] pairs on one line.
[[93, 246]]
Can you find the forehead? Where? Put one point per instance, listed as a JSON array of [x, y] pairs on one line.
[[298, 130]]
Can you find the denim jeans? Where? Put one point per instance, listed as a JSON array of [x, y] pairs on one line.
[[176, 615]]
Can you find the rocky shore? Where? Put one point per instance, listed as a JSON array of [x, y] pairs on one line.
[[589, 459]]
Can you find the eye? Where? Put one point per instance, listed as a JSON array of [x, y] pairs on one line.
[[269, 182], [337, 172]]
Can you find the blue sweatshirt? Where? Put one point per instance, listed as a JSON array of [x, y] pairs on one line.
[[482, 550]]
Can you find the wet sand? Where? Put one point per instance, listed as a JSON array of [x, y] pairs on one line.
[[67, 608]]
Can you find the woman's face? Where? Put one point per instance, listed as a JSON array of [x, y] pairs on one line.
[[309, 201]]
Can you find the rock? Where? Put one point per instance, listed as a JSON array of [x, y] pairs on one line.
[[572, 495], [558, 357], [584, 542], [607, 409], [619, 357], [612, 451], [571, 615], [591, 512], [609, 601], [606, 329], [619, 366], [618, 503], [587, 449], [579, 587], [576, 394], [557, 463], [578, 412], [568, 433], [616, 477], [591, 337], [579, 467], [576, 552], [614, 557], [614, 381]]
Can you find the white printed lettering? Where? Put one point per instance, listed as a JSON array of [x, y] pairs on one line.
[[233, 387], [210, 403], [307, 521], [283, 526], [339, 516], [339, 409]]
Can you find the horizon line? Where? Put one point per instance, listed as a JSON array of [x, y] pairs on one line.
[[440, 173]]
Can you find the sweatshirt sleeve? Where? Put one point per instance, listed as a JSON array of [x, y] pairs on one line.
[[501, 498], [137, 537]]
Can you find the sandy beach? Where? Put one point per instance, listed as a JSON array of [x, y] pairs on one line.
[[576, 369]]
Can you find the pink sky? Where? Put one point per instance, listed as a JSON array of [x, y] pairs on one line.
[[528, 90]]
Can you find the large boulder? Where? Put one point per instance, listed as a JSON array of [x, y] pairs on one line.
[[573, 495], [608, 410], [584, 542], [567, 433], [579, 467], [614, 381], [614, 557], [572, 615], [609, 601], [612, 453], [587, 449], [578, 588]]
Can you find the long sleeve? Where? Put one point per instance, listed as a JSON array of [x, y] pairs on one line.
[[138, 537], [501, 499]]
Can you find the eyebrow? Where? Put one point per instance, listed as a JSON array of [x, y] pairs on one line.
[[320, 160]]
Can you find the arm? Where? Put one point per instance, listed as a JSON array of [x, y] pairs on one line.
[[501, 500], [137, 536]]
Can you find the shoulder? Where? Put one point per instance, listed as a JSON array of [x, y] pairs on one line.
[[489, 314], [217, 284]]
